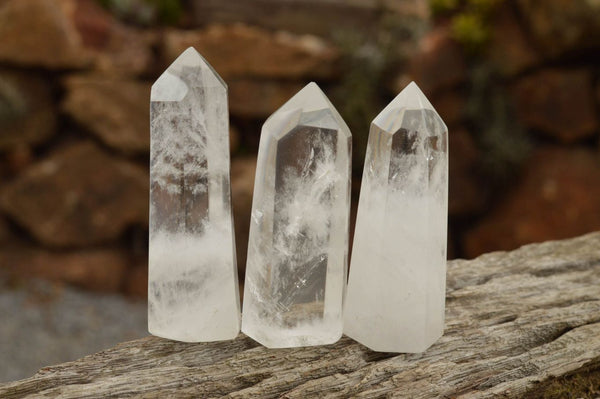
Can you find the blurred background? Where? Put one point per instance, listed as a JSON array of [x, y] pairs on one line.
[[517, 82]]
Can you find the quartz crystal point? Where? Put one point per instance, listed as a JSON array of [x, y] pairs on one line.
[[396, 289], [298, 245], [192, 286]]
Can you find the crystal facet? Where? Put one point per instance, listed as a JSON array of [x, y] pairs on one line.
[[396, 289], [298, 245], [192, 286]]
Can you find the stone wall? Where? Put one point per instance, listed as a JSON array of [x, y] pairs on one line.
[[523, 113], [74, 92]]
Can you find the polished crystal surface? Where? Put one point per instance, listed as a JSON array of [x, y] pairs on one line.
[[192, 286], [396, 287], [298, 246]]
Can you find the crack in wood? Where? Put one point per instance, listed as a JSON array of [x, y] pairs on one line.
[[567, 267]]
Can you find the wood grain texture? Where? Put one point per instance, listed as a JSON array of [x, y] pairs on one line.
[[513, 320]]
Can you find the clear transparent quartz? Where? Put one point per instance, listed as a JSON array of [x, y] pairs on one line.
[[298, 246], [396, 289], [193, 292]]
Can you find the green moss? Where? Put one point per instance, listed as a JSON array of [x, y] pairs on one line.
[[584, 384], [469, 20], [470, 30]]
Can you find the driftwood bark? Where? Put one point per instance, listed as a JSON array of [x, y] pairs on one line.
[[514, 320]]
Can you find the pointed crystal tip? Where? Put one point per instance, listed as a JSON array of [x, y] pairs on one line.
[[308, 100], [411, 98], [189, 69], [189, 57]]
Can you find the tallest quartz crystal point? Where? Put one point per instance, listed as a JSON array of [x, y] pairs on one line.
[[396, 290], [192, 286], [298, 245]]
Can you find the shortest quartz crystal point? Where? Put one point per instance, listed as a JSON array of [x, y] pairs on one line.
[[396, 289], [298, 246]]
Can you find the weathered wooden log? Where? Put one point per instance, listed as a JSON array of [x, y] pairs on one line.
[[514, 321]]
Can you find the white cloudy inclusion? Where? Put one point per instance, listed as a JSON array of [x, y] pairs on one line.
[[192, 286], [396, 289], [298, 246]]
